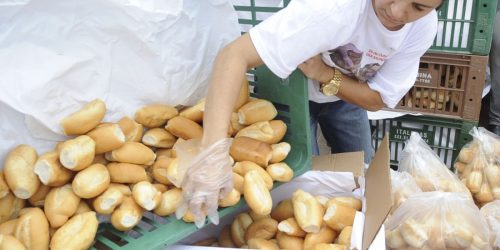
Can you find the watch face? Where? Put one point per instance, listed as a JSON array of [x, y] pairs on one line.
[[329, 89]]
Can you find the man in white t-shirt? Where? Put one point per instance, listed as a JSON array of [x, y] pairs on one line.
[[364, 52]]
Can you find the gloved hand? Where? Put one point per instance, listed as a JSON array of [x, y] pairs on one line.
[[205, 176]]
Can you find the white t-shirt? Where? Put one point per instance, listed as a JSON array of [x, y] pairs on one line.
[[351, 38]]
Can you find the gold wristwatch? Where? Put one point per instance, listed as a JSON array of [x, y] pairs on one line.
[[332, 87]]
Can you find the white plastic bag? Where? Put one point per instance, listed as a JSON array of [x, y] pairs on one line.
[[491, 213], [57, 55], [402, 186]]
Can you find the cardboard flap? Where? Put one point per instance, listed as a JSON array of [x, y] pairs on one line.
[[378, 193], [341, 162]]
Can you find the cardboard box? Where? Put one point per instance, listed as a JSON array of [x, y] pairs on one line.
[[340, 173]]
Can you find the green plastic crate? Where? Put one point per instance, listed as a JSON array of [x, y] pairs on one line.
[[445, 136], [465, 26]]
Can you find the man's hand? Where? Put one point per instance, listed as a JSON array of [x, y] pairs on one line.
[[315, 69]]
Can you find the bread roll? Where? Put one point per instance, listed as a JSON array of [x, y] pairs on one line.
[[10, 206], [243, 95], [225, 239], [291, 227], [194, 113], [135, 153], [38, 199], [160, 170], [280, 172], [239, 227], [32, 229], [126, 173], [289, 242], [257, 243], [83, 207], [248, 149], [308, 211], [413, 233], [485, 194], [234, 126], [492, 173], [159, 138], [162, 188], [109, 200], [283, 210], [4, 188], [261, 131], [279, 128], [60, 204], [325, 235], [345, 201], [127, 215], [265, 228], [91, 181], [244, 167], [50, 171], [394, 239], [172, 171], [155, 115], [170, 201], [467, 154], [338, 217], [107, 137], [8, 227], [146, 195], [238, 182], [280, 151], [85, 119], [78, 153], [8, 242], [256, 193], [84, 226], [474, 181], [231, 199], [184, 128], [18, 171], [345, 236], [256, 111], [132, 130]]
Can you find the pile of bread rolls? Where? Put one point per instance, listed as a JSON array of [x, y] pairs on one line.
[[125, 168], [437, 220], [302, 222], [478, 166], [430, 99]]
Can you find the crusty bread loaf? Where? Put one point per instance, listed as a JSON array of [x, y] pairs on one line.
[[291, 227], [184, 128], [289, 242], [244, 167], [85, 119], [91, 181], [338, 216], [280, 151], [238, 182], [225, 239], [159, 138], [8, 227], [146, 195], [126, 173], [324, 235], [8, 242], [265, 228], [279, 128], [194, 113], [485, 194], [10, 206], [50, 171], [258, 243], [345, 236], [127, 215], [307, 211], [60, 204], [345, 201], [18, 171], [133, 152], [160, 170], [109, 200], [38, 198], [280, 172], [231, 199], [283, 210], [256, 193], [155, 115], [261, 131], [107, 137], [78, 233], [248, 149], [238, 228], [170, 201], [4, 188], [32, 229], [132, 130], [256, 111], [77, 154]]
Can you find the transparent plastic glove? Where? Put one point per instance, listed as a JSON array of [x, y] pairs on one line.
[[205, 176]]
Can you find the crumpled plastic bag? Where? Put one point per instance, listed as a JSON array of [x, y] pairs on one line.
[[437, 220], [425, 166], [55, 56], [205, 176], [491, 213], [402, 186]]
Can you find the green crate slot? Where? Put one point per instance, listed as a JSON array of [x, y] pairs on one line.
[[445, 136], [470, 35]]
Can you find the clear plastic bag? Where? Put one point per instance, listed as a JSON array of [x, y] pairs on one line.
[[491, 213], [429, 172], [402, 185], [478, 166], [437, 220]]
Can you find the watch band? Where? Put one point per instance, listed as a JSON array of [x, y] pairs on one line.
[[332, 87]]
